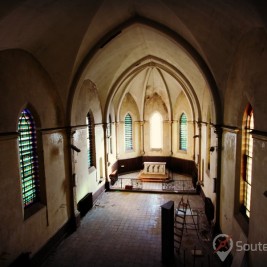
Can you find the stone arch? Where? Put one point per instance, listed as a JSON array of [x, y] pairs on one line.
[[248, 72], [85, 99], [15, 68], [199, 61]]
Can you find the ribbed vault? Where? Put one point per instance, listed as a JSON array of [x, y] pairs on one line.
[[140, 57]]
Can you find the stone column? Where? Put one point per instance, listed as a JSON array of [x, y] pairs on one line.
[[74, 213], [142, 138], [218, 132], [199, 153], [171, 135], [117, 134]]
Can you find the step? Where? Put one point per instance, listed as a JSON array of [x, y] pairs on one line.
[[179, 217], [182, 210], [178, 236], [179, 222]]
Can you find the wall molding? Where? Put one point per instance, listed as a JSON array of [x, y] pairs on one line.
[[231, 129], [259, 135], [256, 134], [9, 135], [53, 130]]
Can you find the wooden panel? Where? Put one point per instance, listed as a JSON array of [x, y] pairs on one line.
[[173, 164], [182, 165], [130, 165], [85, 204]]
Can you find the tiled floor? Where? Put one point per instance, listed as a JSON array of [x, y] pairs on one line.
[[124, 229]]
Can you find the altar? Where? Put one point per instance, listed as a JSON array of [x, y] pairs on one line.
[[154, 172]]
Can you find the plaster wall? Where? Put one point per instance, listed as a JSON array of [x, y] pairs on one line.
[[111, 152], [208, 175], [85, 99], [57, 178], [182, 106], [257, 224], [29, 235], [128, 105], [228, 182], [87, 179], [246, 85], [112, 155], [188, 154], [122, 153], [229, 218], [213, 155], [24, 83]]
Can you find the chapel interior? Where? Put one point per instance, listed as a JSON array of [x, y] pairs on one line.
[[94, 90]]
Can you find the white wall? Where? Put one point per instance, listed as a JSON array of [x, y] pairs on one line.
[[87, 179]]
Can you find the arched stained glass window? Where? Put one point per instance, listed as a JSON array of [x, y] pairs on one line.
[[247, 148], [90, 140], [28, 158], [156, 131], [128, 132], [183, 132]]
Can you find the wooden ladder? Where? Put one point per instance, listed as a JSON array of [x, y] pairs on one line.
[[193, 223], [179, 224], [183, 210]]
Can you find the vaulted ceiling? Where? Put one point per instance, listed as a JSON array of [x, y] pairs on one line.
[[105, 41]]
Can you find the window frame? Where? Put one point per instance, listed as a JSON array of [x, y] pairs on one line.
[[28, 158], [91, 160], [40, 200], [246, 162], [128, 136], [183, 137], [152, 130]]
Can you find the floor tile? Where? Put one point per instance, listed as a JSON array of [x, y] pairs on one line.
[[124, 229]]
